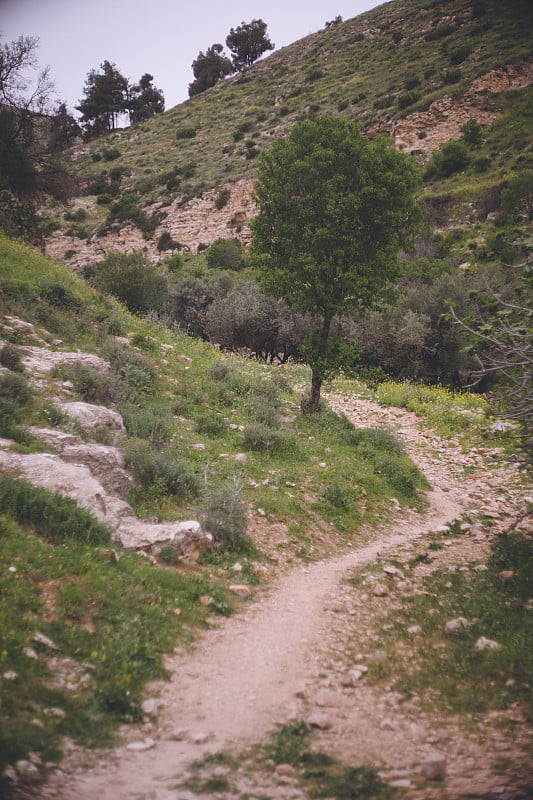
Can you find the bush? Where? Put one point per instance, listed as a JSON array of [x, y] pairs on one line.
[[451, 158], [14, 389], [225, 517], [10, 358], [135, 372], [150, 467], [222, 199], [153, 423], [131, 278], [166, 242], [210, 423], [187, 132], [225, 254], [259, 438], [52, 516], [93, 385]]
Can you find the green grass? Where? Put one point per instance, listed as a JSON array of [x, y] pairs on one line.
[[110, 615], [449, 671]]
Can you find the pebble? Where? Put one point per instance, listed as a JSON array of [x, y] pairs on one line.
[[320, 720], [434, 768], [140, 747]]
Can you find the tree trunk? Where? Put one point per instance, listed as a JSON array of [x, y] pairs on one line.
[[310, 404]]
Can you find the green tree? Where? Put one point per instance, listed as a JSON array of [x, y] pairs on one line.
[[105, 99], [247, 43], [131, 278], [209, 68], [145, 100], [334, 208]]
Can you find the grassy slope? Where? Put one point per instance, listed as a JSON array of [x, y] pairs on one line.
[[379, 66]]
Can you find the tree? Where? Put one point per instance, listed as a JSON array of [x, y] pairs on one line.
[[30, 156], [209, 68], [334, 209], [248, 42], [501, 330], [145, 100], [106, 97]]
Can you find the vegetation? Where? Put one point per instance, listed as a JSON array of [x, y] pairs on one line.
[[247, 42], [334, 209]]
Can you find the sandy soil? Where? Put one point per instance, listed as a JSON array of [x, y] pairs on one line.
[[283, 657]]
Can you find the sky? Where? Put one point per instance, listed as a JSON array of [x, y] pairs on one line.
[[161, 37]]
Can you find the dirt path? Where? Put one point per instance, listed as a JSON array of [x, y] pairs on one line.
[[265, 665]]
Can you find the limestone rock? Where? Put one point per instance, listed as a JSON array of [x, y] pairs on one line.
[[487, 644], [320, 720], [90, 416], [456, 626], [106, 463], [39, 359], [433, 768], [240, 589]]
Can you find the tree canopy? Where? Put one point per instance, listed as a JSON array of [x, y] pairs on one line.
[[334, 209], [248, 42], [105, 98], [144, 100], [209, 68]]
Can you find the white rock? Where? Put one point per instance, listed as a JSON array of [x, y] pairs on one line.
[[455, 626], [27, 770], [150, 706], [199, 738], [40, 638], [140, 747], [240, 589], [487, 644], [10, 675]]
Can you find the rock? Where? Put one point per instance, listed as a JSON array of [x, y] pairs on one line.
[[400, 783], [325, 697], [199, 738], [141, 746], [433, 768], [417, 732], [506, 575], [40, 359], [29, 652], [55, 712], [240, 589], [414, 629], [135, 534], [487, 644], [27, 770], [320, 720], [178, 734], [150, 706], [380, 590], [387, 725], [286, 771], [10, 675], [456, 626], [90, 416], [390, 569], [10, 775], [106, 463], [40, 638]]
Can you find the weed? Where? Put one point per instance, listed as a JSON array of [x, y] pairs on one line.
[[260, 438], [93, 385], [225, 517]]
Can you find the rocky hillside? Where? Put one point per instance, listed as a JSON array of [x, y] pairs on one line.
[[414, 69]]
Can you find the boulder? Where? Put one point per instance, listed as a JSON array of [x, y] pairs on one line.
[[89, 417]]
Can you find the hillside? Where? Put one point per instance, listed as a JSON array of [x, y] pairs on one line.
[[416, 70], [89, 611]]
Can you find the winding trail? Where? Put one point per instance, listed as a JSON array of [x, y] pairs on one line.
[[243, 677]]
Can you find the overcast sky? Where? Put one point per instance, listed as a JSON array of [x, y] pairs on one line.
[[161, 37]]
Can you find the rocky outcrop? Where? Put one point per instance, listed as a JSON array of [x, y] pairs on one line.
[[427, 131], [76, 480], [196, 222], [92, 474]]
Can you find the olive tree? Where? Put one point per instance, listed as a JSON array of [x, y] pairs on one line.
[[334, 209]]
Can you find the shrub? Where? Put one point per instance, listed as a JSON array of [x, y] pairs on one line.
[[166, 242], [135, 372], [93, 385], [110, 153], [10, 358], [14, 389], [451, 158], [52, 516], [152, 423], [187, 132], [210, 423], [131, 278], [225, 517], [222, 198], [225, 254], [259, 438], [150, 467]]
